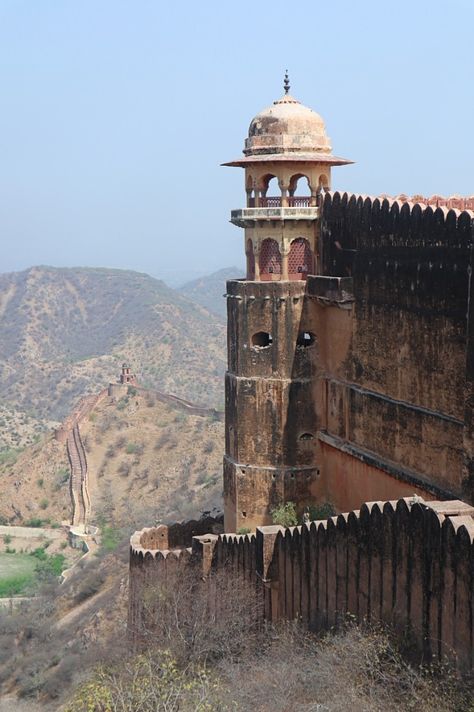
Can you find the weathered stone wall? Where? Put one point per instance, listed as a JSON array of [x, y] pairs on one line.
[[407, 563], [271, 412], [400, 391]]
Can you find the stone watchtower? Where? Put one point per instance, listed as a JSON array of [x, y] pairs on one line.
[[273, 352], [127, 377]]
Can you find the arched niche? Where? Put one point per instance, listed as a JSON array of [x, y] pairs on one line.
[[269, 260], [300, 259]]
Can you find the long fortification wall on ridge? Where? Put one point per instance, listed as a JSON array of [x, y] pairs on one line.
[[407, 563]]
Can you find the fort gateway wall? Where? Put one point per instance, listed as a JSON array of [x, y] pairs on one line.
[[407, 563]]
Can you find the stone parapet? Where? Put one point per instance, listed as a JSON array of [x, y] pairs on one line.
[[407, 563]]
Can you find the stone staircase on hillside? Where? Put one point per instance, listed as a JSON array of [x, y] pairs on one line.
[[78, 465]]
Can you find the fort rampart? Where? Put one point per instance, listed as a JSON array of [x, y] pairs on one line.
[[400, 395], [407, 563], [80, 412]]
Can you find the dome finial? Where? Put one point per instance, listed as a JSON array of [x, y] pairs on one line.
[[286, 82]]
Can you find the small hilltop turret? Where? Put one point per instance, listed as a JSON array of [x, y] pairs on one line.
[[126, 379]]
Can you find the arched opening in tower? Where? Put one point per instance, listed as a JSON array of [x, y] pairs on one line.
[[300, 191], [270, 260], [300, 259], [271, 195]]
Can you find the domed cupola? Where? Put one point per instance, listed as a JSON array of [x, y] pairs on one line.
[[288, 162], [287, 127], [287, 130]]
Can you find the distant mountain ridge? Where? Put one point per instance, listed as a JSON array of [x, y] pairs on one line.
[[208, 291], [64, 332]]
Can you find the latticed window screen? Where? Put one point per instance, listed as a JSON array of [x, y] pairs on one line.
[[250, 260], [300, 258], [270, 258]]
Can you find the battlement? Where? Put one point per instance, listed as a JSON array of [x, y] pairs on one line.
[[406, 563], [351, 222], [457, 203]]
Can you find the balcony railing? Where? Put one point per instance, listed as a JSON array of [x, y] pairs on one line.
[[275, 202]]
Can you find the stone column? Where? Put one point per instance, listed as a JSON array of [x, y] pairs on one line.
[[284, 263], [256, 252], [284, 187]]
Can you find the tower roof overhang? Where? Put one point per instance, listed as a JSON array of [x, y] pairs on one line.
[[323, 158]]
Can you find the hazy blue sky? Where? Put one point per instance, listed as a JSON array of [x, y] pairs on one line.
[[115, 116]]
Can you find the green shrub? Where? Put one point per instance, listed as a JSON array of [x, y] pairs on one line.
[[40, 482], [7, 539], [44, 503], [122, 404], [50, 567], [134, 449], [36, 522], [285, 515], [110, 538], [10, 455], [324, 510], [243, 530], [39, 553]]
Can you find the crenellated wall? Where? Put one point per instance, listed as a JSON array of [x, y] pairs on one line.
[[408, 563]]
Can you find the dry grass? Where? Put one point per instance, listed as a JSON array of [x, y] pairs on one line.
[[138, 446]]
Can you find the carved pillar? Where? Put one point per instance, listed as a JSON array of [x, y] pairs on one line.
[[257, 194], [284, 187], [284, 263], [256, 252]]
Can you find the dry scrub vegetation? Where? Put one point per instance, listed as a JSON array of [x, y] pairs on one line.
[[67, 651], [45, 642], [168, 460], [202, 656]]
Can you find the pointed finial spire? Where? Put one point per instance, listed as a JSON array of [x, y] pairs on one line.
[[286, 82]]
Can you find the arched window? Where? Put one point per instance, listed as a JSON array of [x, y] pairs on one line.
[[300, 190], [250, 260], [270, 260], [300, 259], [271, 194]]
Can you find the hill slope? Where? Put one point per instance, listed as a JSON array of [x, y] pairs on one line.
[[207, 291], [147, 460], [64, 332]]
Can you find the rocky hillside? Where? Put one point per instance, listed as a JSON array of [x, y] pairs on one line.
[[207, 291], [64, 332], [147, 460]]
